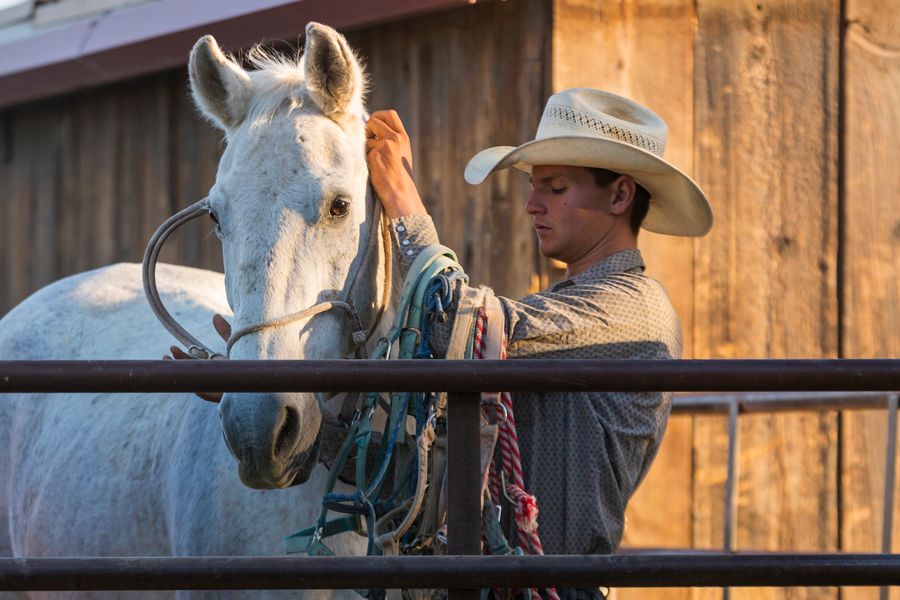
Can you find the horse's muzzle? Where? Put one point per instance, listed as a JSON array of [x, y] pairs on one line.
[[272, 437]]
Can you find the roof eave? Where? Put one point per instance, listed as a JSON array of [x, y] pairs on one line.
[[159, 35]]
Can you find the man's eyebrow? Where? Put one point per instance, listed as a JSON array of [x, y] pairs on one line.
[[547, 179]]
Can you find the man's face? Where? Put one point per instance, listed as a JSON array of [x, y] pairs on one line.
[[572, 215]]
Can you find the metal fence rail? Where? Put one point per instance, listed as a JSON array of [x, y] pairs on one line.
[[449, 376], [749, 403], [450, 572], [464, 380]]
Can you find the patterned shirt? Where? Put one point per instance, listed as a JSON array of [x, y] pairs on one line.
[[583, 453]]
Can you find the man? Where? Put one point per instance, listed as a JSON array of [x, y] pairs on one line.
[[597, 176]]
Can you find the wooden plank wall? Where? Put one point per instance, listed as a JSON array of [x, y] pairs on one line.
[[768, 125]]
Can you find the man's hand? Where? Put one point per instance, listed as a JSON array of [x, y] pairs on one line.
[[389, 155], [224, 330]]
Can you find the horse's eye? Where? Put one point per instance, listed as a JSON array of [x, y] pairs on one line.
[[214, 218], [340, 206]]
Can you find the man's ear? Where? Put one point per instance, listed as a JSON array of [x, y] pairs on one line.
[[624, 188]]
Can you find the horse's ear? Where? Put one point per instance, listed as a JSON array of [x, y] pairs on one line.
[[221, 88], [334, 77]]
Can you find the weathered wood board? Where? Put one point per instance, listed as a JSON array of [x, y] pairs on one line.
[[766, 124], [90, 177], [870, 325]]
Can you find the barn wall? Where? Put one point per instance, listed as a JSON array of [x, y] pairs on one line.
[[87, 178], [768, 128]]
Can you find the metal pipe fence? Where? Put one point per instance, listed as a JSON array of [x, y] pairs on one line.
[[449, 572], [748, 403], [460, 376], [462, 572]]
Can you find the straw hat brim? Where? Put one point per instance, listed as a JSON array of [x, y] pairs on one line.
[[677, 206]]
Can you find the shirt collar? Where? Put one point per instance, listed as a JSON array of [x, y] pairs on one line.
[[617, 262]]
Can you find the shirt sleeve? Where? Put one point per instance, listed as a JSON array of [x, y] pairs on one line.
[[411, 235]]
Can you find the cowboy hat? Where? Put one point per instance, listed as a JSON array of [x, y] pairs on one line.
[[591, 128]]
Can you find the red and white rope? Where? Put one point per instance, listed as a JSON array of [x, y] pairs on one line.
[[526, 508]]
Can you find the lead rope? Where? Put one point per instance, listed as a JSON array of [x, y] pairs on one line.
[[510, 481], [379, 217]]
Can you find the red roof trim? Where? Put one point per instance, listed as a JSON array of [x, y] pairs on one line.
[[158, 35]]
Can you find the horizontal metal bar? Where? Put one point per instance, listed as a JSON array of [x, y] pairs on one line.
[[450, 376], [451, 572], [768, 402]]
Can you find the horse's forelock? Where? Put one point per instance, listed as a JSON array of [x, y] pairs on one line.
[[279, 83]]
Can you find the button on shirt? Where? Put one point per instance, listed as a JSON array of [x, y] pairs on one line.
[[583, 453]]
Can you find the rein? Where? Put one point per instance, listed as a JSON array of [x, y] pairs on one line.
[[195, 347], [198, 350]]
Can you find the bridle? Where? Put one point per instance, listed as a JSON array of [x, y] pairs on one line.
[[196, 349]]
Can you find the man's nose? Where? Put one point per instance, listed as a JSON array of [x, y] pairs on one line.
[[534, 206]]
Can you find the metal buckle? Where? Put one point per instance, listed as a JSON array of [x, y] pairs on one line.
[[388, 346], [441, 535]]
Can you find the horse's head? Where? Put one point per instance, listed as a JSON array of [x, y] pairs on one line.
[[291, 212]]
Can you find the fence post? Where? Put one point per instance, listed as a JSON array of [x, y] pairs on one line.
[[464, 485], [734, 445], [887, 523]]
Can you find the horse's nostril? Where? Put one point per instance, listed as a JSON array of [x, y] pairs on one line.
[[287, 433]]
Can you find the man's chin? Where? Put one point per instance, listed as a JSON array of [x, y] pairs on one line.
[[548, 250]]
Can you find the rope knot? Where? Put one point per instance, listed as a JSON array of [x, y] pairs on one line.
[[526, 509], [360, 499]]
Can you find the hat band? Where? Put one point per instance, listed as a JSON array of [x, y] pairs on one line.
[[574, 119]]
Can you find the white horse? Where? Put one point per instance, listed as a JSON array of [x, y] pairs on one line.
[[148, 474]]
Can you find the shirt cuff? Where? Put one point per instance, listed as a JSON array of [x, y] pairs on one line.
[[411, 235]]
